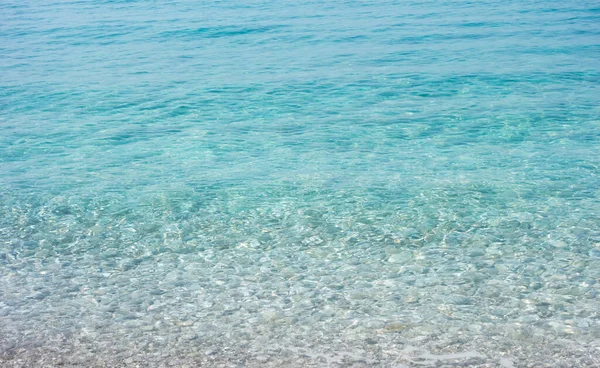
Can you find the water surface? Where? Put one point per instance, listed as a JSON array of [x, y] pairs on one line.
[[277, 183]]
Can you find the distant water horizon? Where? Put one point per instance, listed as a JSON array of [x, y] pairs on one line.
[[300, 184]]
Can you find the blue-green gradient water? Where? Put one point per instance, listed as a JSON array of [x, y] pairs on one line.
[[282, 183]]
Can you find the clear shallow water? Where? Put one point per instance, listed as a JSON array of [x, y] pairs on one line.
[[300, 184]]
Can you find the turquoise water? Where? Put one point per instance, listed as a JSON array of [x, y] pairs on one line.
[[266, 183]]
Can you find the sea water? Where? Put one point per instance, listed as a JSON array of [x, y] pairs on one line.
[[300, 183]]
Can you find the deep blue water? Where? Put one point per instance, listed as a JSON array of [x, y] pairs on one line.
[[278, 183]]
